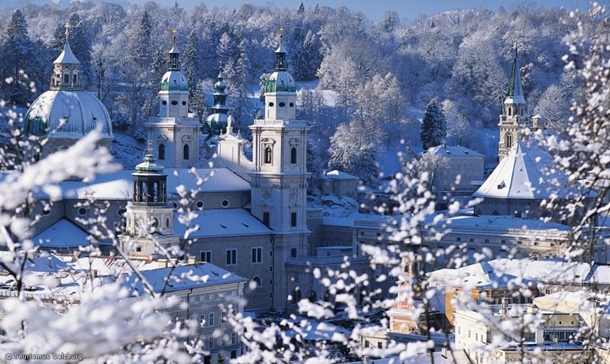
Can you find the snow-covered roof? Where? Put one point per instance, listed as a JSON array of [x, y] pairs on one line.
[[42, 263], [119, 185], [62, 234], [448, 151], [183, 277], [508, 273], [503, 222], [223, 222], [66, 56], [68, 114], [527, 172], [336, 174]]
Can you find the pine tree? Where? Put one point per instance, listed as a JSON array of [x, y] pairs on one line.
[[20, 58], [434, 125]]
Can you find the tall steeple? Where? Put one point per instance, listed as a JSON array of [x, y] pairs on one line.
[[175, 133], [515, 114], [280, 88], [279, 178], [66, 74]]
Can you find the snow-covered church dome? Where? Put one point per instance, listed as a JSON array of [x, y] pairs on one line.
[[280, 80], [174, 79], [66, 112]]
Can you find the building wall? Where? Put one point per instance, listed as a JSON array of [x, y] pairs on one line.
[[259, 298]]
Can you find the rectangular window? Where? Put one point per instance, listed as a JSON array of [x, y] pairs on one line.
[[293, 252], [205, 256], [211, 319], [296, 278], [231, 256], [223, 317], [202, 320], [257, 255], [266, 218], [311, 278], [233, 338], [210, 343], [293, 219]]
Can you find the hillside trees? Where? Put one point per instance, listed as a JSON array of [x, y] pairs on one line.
[[22, 62]]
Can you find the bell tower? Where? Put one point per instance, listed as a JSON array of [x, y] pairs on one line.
[[515, 115], [279, 178], [175, 132], [149, 213]]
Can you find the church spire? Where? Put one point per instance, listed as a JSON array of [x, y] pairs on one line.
[[219, 119], [174, 55], [66, 68], [515, 88], [280, 54]]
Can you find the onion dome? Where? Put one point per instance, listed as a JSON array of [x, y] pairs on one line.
[[174, 78], [280, 80], [218, 120], [66, 111]]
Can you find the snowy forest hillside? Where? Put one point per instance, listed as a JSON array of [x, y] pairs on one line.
[[378, 71]]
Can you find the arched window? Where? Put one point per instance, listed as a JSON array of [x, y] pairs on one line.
[[186, 151], [74, 78], [66, 78], [293, 155], [268, 154], [510, 111], [161, 151], [256, 281]]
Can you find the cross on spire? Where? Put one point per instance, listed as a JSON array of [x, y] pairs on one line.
[[281, 32], [67, 25], [174, 31]]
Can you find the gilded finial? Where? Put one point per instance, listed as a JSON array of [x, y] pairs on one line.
[[281, 32], [174, 36], [67, 30]]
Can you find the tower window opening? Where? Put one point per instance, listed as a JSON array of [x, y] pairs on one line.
[[508, 141], [282, 104], [161, 151], [174, 102], [184, 103], [186, 152], [293, 219], [74, 78], [510, 111], [268, 154], [266, 218], [293, 155], [66, 78]]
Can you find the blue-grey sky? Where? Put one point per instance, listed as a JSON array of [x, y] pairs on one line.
[[406, 9]]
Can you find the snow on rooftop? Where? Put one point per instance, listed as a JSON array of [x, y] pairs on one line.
[[448, 151], [62, 234], [336, 174], [503, 222], [182, 278], [119, 185], [223, 222], [508, 273], [527, 172]]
